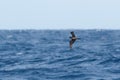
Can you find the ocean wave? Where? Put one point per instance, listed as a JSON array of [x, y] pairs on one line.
[[45, 55]]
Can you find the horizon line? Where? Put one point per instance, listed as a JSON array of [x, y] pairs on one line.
[[62, 29]]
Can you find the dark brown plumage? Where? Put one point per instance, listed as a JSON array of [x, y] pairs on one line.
[[73, 39]]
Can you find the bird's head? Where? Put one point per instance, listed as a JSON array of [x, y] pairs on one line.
[[72, 32]]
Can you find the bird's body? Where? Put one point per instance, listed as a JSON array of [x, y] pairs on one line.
[[73, 39]]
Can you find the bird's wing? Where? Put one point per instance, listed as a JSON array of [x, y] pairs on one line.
[[72, 41]]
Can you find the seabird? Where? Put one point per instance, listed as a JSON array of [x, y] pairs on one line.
[[73, 39]]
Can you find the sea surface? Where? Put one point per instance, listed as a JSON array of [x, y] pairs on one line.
[[45, 55]]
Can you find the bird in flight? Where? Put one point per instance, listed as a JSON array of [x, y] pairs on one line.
[[72, 39]]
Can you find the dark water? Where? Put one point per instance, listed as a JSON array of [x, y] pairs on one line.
[[45, 55]]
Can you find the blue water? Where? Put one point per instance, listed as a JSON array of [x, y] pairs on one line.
[[45, 55]]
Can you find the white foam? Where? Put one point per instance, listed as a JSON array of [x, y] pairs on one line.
[[20, 53]]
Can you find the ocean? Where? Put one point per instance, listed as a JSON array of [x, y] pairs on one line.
[[45, 55]]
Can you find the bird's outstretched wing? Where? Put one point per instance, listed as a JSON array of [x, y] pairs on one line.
[[71, 42]]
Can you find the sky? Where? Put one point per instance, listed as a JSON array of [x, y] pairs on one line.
[[59, 14]]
